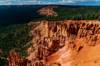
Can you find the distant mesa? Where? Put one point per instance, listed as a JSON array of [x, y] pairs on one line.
[[48, 11]]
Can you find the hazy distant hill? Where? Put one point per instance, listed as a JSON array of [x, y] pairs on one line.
[[22, 14]]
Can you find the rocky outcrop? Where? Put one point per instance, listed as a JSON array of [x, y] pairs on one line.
[[50, 39], [62, 43], [14, 59]]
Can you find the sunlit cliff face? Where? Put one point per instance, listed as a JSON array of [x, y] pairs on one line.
[[65, 43]]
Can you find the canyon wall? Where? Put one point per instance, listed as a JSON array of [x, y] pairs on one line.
[[66, 43]]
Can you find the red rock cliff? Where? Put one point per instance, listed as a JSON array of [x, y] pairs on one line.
[[64, 42]]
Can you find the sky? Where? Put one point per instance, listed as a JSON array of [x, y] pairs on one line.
[[45, 2]]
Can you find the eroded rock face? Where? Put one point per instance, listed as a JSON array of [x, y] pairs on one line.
[[62, 43], [59, 42], [14, 59], [48, 39]]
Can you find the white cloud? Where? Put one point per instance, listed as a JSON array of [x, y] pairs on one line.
[[68, 1], [21, 2]]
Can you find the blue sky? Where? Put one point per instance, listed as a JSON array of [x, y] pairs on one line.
[[34, 2]]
